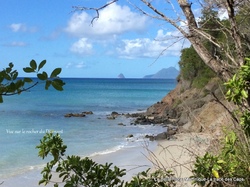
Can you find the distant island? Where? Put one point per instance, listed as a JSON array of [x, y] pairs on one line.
[[121, 76], [165, 73]]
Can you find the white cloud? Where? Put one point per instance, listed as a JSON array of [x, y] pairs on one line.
[[167, 43], [113, 20], [79, 65], [20, 27], [82, 47]]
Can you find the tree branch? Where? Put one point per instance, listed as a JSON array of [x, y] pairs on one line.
[[18, 92], [95, 9]]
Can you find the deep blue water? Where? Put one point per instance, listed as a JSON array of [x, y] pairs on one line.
[[25, 118]]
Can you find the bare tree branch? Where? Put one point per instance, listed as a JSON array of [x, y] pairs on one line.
[[81, 8]]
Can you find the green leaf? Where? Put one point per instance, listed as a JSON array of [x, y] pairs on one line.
[[42, 76], [33, 64], [12, 87], [28, 70], [221, 162], [7, 77], [19, 84], [47, 85], [57, 86], [244, 93], [11, 65], [15, 74], [28, 80], [41, 64], [55, 72], [8, 70]]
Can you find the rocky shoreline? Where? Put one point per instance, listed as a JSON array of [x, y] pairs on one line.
[[184, 109]]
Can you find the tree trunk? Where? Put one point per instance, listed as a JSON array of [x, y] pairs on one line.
[[195, 39]]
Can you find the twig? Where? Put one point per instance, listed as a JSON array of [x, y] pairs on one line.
[[95, 9], [18, 92]]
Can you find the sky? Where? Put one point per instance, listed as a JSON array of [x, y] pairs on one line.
[[121, 40]]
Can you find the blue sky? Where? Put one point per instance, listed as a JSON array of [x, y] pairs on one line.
[[122, 40]]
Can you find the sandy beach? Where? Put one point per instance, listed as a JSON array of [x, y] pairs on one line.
[[179, 154]]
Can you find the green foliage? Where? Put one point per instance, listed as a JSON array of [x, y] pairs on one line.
[[206, 168], [238, 92], [232, 163], [10, 84], [53, 79], [193, 68], [225, 168], [75, 171], [158, 178]]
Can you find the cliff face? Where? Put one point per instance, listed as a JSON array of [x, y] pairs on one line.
[[193, 110]]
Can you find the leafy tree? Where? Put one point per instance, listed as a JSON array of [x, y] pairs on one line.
[[10, 84], [193, 69]]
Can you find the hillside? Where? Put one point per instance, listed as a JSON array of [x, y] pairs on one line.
[[165, 73]]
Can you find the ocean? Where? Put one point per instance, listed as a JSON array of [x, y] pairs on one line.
[[27, 117]]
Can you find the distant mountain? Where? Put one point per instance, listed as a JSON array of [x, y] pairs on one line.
[[165, 73], [121, 76]]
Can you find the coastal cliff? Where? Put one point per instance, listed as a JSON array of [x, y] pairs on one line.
[[191, 109]]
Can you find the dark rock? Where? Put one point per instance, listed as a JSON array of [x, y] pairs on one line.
[[115, 114], [88, 112], [74, 115], [161, 136], [121, 124], [150, 137], [165, 135], [130, 136]]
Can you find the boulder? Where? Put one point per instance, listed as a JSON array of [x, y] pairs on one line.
[[150, 137], [121, 124], [115, 114], [165, 135], [88, 112], [130, 136], [74, 115]]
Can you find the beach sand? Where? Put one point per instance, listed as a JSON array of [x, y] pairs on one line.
[[179, 155]]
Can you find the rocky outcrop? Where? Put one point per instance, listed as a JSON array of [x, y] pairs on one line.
[[82, 114], [191, 109], [113, 115]]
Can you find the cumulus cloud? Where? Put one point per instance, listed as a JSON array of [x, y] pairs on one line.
[[21, 27], [82, 47], [168, 43], [113, 20], [78, 65]]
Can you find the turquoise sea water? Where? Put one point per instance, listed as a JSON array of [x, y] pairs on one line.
[[25, 118]]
